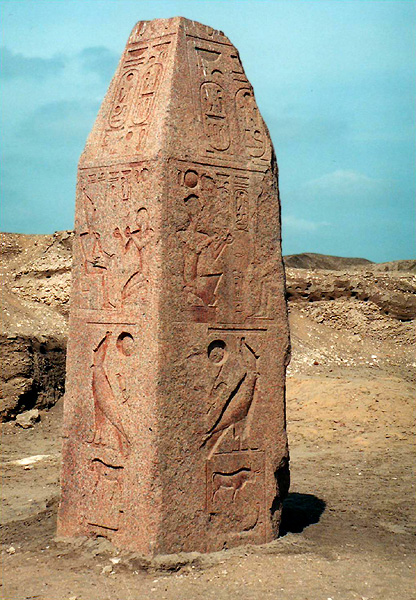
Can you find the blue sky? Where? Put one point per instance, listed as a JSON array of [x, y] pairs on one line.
[[335, 81]]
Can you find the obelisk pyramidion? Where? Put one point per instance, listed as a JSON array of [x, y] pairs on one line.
[[174, 424]]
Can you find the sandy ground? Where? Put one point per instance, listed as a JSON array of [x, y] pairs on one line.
[[349, 521]]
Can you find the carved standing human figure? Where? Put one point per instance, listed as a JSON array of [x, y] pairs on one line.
[[96, 258], [134, 252]]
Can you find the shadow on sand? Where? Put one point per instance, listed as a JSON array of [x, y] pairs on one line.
[[300, 511]]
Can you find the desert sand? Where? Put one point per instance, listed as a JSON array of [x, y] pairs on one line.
[[349, 521]]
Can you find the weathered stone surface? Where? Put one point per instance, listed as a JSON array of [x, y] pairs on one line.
[[174, 421]]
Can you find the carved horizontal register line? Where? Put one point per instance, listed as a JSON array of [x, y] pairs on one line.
[[135, 45], [230, 162], [111, 323], [236, 328], [136, 62], [239, 452], [118, 316], [132, 161], [226, 166], [209, 40], [103, 526], [128, 163]]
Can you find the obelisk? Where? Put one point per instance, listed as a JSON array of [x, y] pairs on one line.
[[174, 421]]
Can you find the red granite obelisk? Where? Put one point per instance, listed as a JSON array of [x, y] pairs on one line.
[[174, 424]]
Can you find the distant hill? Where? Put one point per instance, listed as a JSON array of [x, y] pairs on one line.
[[312, 261], [396, 265]]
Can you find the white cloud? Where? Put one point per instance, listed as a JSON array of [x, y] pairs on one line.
[[344, 183], [299, 224], [58, 123], [16, 66], [99, 60]]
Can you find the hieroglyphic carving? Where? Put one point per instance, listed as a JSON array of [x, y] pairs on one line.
[[245, 238], [116, 255], [262, 278], [133, 244], [237, 68], [212, 97], [147, 95], [231, 120], [112, 393], [109, 446], [235, 464], [133, 105], [234, 481], [119, 186], [122, 99], [202, 253], [235, 497], [104, 507], [251, 123], [108, 427], [232, 394], [214, 116], [204, 236], [95, 258], [220, 234]]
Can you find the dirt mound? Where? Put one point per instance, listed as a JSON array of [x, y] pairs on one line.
[[38, 267], [352, 320], [35, 272], [393, 292]]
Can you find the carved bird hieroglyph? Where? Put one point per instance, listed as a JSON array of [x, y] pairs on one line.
[[233, 391]]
